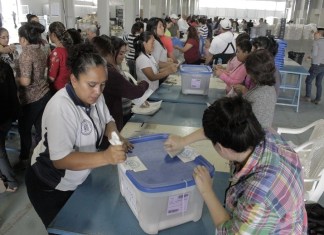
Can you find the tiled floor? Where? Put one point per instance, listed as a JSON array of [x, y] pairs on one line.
[[18, 217]]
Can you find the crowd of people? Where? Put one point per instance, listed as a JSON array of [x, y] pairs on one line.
[[76, 95]]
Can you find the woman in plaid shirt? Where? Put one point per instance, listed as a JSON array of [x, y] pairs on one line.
[[266, 191]]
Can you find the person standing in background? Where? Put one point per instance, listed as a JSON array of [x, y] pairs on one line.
[[34, 91], [58, 72], [14, 18], [136, 30], [317, 68], [174, 29], [9, 106]]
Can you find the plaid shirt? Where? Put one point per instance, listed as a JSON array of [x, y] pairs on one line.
[[266, 195]]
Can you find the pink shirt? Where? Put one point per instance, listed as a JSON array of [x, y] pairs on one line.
[[235, 74]]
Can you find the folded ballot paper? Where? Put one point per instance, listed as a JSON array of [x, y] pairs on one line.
[[149, 108]]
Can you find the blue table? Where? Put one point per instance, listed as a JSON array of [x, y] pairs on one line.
[[291, 67], [172, 93], [97, 207], [176, 114]]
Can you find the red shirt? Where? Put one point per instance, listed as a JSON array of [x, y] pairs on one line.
[[167, 43], [58, 68], [192, 55]]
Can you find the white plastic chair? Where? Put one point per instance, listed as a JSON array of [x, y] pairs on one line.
[[311, 155]]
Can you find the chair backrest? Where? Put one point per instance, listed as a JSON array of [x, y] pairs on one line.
[[318, 130], [314, 161]]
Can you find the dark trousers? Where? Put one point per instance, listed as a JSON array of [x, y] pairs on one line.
[[6, 171], [132, 68], [31, 116], [47, 201]]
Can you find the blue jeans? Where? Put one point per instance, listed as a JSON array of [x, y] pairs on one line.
[[315, 71]]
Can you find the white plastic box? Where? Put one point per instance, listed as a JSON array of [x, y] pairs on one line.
[[164, 195], [195, 79]]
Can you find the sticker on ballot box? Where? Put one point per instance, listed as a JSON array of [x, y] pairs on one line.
[[195, 83], [178, 204]]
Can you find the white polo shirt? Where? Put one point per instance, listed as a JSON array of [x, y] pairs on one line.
[[159, 53], [68, 126], [221, 41], [143, 62]]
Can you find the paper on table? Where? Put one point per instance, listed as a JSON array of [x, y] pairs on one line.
[[141, 100]]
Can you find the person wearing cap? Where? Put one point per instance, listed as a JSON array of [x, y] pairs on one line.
[[174, 29], [183, 25], [317, 67], [223, 46]]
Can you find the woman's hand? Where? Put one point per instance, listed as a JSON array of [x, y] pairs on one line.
[[115, 154], [174, 144], [126, 144], [218, 72], [203, 180]]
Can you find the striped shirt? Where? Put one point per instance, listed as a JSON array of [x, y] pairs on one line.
[[266, 195], [130, 41], [203, 31]]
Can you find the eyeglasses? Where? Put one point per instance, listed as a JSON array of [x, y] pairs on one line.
[[4, 37]]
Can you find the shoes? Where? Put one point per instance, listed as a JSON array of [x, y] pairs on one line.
[[315, 101], [4, 187], [306, 98], [11, 190]]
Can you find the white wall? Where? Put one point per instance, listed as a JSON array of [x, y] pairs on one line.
[[35, 7]]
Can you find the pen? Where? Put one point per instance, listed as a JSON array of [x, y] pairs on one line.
[[142, 124]]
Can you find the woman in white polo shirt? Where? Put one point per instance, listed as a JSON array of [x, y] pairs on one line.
[[73, 125], [147, 68]]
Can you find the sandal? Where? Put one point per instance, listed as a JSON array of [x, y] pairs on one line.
[[3, 186], [11, 190]]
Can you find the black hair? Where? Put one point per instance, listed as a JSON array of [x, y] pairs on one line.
[[75, 35], [30, 17], [139, 42], [137, 27], [32, 32], [152, 26], [117, 44], [268, 43], [103, 45], [242, 36], [202, 20], [260, 66], [245, 45], [231, 122], [81, 57], [63, 35]]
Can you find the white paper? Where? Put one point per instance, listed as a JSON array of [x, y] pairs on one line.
[[141, 100], [134, 164], [195, 83], [178, 204], [115, 139], [188, 154]]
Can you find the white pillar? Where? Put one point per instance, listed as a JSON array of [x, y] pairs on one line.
[[147, 9], [69, 14], [131, 12], [103, 15]]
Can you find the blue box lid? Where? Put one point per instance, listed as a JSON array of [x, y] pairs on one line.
[[195, 69], [163, 173]]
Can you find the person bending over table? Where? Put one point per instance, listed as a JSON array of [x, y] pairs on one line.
[[191, 47], [265, 195], [73, 124]]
